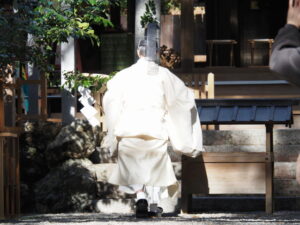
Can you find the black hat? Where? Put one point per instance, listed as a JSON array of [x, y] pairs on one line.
[[142, 43]]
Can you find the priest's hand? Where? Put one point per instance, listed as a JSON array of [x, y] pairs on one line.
[[293, 17]]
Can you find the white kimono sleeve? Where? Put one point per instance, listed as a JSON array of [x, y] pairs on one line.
[[182, 118], [112, 106]]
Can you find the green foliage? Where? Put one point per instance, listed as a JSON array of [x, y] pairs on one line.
[[150, 14], [49, 23], [167, 5], [94, 83]]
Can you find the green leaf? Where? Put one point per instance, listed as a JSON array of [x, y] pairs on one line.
[[83, 25], [90, 32], [92, 2]]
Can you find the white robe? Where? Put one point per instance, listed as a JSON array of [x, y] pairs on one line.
[[147, 101]]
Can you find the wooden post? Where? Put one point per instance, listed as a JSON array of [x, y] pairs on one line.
[[187, 35], [130, 15], [210, 91], [271, 41], [6, 177], [210, 52], [17, 174], [231, 54], [252, 45], [33, 90], [269, 168], [2, 213], [203, 85], [19, 97], [43, 96], [2, 116], [210, 86]]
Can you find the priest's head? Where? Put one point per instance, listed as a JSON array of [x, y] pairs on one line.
[[147, 49]]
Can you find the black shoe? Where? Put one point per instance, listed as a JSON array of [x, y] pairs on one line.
[[155, 211], [141, 210]]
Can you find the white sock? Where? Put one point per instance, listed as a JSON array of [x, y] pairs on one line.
[[153, 194], [140, 195]]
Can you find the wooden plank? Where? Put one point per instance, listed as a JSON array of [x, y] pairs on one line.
[[28, 117], [54, 120], [235, 178], [230, 157], [8, 134], [2, 215], [10, 86], [30, 82]]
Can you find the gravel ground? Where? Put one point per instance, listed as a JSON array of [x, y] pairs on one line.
[[182, 219]]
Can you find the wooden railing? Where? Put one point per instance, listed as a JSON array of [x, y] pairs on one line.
[[202, 84]]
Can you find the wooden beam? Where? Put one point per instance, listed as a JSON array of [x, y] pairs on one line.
[[231, 157], [187, 35]]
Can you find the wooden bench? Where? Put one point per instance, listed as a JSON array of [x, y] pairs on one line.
[[235, 172], [253, 42], [212, 43]]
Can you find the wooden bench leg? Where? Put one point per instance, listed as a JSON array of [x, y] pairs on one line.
[[269, 169], [186, 203], [269, 187]]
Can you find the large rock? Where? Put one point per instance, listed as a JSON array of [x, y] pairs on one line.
[[72, 187], [75, 141], [102, 155], [33, 144]]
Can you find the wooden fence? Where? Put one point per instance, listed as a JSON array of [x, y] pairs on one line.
[[9, 176], [9, 144]]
